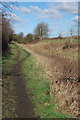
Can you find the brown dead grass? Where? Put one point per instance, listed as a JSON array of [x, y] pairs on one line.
[[61, 67], [59, 63]]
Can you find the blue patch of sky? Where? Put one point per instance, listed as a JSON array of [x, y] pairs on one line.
[[29, 20]]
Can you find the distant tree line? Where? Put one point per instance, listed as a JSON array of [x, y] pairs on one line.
[[41, 31], [20, 38]]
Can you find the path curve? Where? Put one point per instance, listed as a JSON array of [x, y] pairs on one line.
[[25, 108]]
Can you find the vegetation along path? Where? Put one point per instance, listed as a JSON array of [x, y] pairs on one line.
[[24, 107], [27, 77]]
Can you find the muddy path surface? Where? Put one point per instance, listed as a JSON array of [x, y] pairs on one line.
[[24, 107]]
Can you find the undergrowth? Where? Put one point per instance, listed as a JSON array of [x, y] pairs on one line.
[[38, 84], [8, 85]]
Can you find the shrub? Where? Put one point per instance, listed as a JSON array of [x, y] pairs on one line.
[[36, 37], [7, 34], [67, 44]]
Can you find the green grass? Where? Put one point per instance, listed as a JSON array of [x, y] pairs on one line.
[[38, 84], [55, 41], [60, 41], [8, 89], [8, 60]]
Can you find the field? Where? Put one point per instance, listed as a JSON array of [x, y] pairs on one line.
[[40, 67], [52, 54], [61, 66], [39, 60]]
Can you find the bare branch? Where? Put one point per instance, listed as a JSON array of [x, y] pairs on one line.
[[8, 7]]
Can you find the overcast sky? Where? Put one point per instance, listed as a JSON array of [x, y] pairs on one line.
[[60, 16]]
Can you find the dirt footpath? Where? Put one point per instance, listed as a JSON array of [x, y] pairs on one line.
[[64, 82], [24, 107]]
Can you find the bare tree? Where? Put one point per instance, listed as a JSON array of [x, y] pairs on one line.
[[7, 31], [42, 30], [71, 31], [6, 7], [69, 40], [60, 35]]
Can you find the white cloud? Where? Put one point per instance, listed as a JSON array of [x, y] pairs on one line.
[[35, 8], [56, 10], [67, 7], [24, 10], [13, 17], [76, 19], [45, 13], [21, 9]]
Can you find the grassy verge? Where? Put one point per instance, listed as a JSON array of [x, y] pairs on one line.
[[8, 89], [60, 41], [38, 84]]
